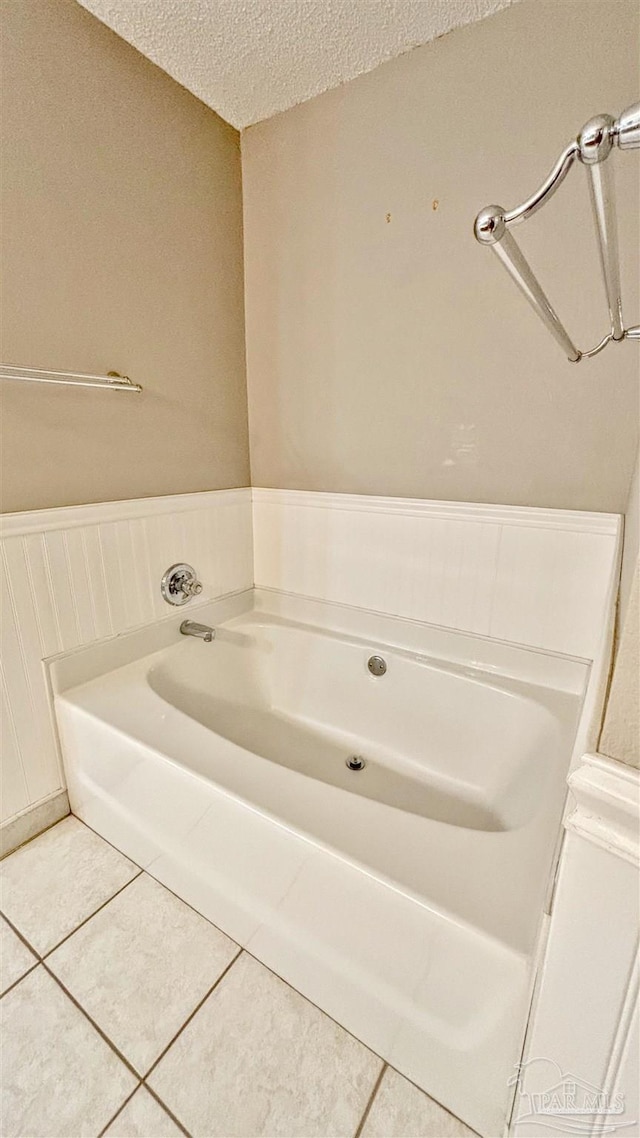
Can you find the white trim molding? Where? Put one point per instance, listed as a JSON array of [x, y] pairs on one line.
[[23, 827], [100, 513], [607, 806], [577, 520], [584, 1029]]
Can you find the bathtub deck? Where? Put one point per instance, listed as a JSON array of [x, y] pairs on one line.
[[127, 1013]]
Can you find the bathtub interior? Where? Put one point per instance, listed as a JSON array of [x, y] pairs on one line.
[[453, 743]]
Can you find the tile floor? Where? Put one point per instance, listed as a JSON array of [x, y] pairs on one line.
[[125, 1013]]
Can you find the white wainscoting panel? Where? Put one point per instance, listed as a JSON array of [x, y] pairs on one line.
[[583, 1034], [78, 574], [544, 578]]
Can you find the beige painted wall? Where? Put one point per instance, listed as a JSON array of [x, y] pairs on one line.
[[620, 737], [631, 546], [122, 249], [388, 352]]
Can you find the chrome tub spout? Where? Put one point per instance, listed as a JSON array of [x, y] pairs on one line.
[[201, 631]]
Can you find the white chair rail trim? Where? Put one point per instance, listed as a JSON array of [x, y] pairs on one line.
[[577, 520], [607, 806], [99, 513]]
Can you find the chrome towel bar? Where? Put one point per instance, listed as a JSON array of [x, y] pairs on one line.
[[592, 147], [113, 380]]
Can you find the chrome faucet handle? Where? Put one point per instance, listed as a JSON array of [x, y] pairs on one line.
[[179, 584], [191, 588]]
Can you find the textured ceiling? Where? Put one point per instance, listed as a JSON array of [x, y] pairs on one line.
[[250, 59]]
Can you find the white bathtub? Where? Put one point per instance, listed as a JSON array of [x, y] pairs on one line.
[[404, 898]]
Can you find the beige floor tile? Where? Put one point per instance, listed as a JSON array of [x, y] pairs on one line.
[[400, 1110], [59, 1077], [15, 957], [140, 967], [51, 885], [142, 1117], [257, 1059]]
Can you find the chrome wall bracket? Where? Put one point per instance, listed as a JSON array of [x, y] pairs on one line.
[[592, 148]]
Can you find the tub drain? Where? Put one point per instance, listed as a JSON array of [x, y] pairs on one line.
[[355, 763]]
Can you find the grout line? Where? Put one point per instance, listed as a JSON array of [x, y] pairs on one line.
[[105, 840], [120, 1108], [142, 1079], [86, 920], [192, 1014], [314, 1005], [20, 936], [192, 907], [164, 1106], [20, 979], [372, 1096], [93, 1023], [243, 948], [386, 1065], [40, 957]]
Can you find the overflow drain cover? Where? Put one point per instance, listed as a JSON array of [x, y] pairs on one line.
[[377, 665], [355, 763]]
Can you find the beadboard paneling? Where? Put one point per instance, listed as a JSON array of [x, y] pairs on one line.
[[589, 975], [544, 578], [75, 575]]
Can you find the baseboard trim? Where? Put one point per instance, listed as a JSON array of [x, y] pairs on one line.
[[27, 825]]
